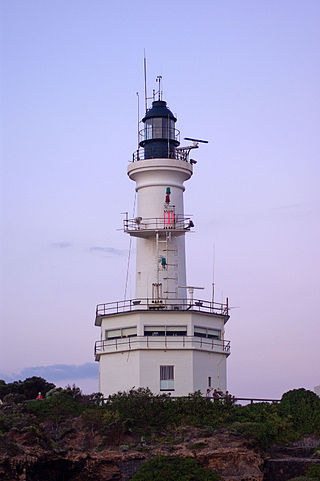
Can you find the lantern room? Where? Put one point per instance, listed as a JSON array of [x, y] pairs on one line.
[[159, 137]]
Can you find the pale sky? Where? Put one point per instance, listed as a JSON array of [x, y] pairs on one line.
[[243, 75]]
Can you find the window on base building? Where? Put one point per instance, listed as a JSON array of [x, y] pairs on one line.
[[119, 333], [166, 378], [165, 330], [207, 332]]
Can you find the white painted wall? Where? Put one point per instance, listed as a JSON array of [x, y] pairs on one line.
[[152, 177], [183, 373], [122, 367], [118, 372], [207, 364], [140, 366]]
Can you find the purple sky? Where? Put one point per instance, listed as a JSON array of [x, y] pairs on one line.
[[243, 75]]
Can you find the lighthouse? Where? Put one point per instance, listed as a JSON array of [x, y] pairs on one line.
[[166, 338]]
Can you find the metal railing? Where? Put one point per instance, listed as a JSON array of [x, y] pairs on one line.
[[256, 400], [161, 342], [144, 304], [157, 223], [176, 154], [156, 133]]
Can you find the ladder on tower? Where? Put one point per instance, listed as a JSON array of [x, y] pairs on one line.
[[169, 266]]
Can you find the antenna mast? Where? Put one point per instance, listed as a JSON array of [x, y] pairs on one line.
[[145, 80], [213, 265], [138, 117], [158, 79]]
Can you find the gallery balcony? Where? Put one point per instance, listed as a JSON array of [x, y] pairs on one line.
[[147, 304], [159, 343], [147, 226]]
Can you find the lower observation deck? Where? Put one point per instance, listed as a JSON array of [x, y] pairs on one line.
[[145, 304], [160, 343], [147, 227]]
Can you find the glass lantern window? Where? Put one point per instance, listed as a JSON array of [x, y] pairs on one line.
[[159, 128]]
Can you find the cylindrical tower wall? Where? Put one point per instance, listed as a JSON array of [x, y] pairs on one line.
[[152, 178]]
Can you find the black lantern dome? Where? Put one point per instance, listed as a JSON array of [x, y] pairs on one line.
[[159, 138]]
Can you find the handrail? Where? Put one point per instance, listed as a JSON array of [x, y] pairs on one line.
[[176, 154], [161, 342], [157, 223], [143, 304], [252, 400]]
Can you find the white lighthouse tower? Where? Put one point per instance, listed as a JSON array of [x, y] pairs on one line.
[[165, 338]]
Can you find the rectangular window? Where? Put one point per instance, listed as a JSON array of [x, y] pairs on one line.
[[209, 381], [200, 332], [166, 378], [165, 330], [213, 333], [154, 330], [113, 334], [207, 332], [119, 333], [176, 330]]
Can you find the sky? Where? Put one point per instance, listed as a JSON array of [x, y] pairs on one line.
[[243, 75]]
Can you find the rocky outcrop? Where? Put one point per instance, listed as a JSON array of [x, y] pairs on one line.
[[80, 455], [287, 462], [222, 452]]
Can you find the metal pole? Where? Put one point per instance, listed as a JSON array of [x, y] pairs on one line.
[[145, 80], [138, 119]]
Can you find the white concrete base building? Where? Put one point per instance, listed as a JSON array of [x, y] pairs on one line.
[[161, 339]]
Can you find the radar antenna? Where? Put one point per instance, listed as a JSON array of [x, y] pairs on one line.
[[196, 140], [185, 151]]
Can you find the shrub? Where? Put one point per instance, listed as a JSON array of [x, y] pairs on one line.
[[27, 389], [55, 408], [173, 468], [142, 410], [263, 425], [304, 409], [302, 478], [314, 471]]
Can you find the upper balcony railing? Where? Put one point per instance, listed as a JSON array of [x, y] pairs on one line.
[[176, 154], [169, 222], [145, 304], [158, 342]]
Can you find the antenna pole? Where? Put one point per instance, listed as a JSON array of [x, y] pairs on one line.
[[168, 139], [158, 79], [145, 80], [213, 262], [138, 117]]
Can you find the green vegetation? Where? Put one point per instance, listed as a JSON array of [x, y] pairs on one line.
[[312, 474], [302, 478], [24, 390], [303, 408], [160, 468], [139, 413], [314, 471]]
